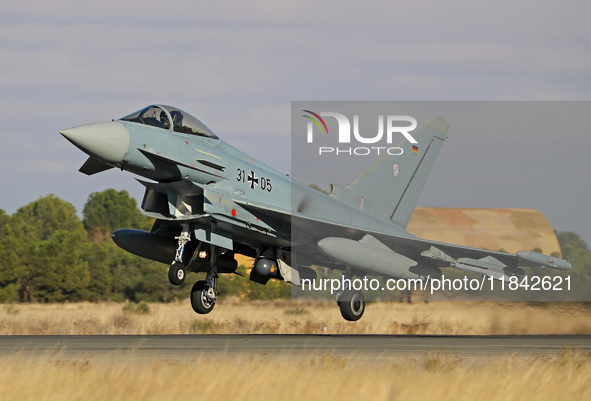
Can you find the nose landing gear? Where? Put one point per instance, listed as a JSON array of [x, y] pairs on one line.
[[176, 271]]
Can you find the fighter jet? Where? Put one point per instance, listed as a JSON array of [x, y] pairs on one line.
[[210, 201]]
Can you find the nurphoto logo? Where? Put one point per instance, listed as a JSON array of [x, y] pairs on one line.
[[394, 125]]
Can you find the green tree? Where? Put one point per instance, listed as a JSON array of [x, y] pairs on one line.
[[60, 269], [109, 210], [100, 284], [49, 243], [9, 262], [47, 215], [4, 218], [274, 289], [576, 251]]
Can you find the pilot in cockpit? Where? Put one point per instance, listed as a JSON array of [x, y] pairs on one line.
[[177, 118], [164, 119]]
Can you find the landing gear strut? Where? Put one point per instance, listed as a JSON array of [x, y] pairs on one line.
[[176, 271], [351, 302], [204, 292]]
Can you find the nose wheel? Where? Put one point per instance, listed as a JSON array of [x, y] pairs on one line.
[[176, 273]]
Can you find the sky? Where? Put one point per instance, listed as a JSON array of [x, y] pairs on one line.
[[238, 65], [498, 154]]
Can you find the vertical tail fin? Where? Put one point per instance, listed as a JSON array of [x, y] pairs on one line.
[[396, 182]]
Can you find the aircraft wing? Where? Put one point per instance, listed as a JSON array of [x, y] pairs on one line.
[[266, 212], [329, 234]]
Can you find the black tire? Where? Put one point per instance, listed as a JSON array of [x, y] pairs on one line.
[[352, 304], [199, 301], [177, 273]]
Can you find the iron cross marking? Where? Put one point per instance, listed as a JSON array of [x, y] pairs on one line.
[[253, 180]]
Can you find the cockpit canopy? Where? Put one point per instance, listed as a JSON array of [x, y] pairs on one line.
[[160, 116]]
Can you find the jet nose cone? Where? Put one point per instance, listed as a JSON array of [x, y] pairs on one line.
[[107, 142]]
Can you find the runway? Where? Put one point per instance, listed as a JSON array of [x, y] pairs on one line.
[[372, 348]]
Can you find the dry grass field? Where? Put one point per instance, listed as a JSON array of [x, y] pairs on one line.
[[285, 317], [431, 377]]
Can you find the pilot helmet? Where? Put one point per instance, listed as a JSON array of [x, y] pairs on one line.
[[164, 118]]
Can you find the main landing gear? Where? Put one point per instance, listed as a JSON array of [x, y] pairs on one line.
[[351, 302], [204, 292], [202, 297]]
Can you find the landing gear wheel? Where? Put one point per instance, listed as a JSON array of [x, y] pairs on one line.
[[176, 273], [200, 299], [352, 304]]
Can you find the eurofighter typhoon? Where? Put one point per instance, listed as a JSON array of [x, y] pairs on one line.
[[210, 201]]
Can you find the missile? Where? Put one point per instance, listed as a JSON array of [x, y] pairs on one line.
[[492, 272], [541, 260], [373, 257]]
